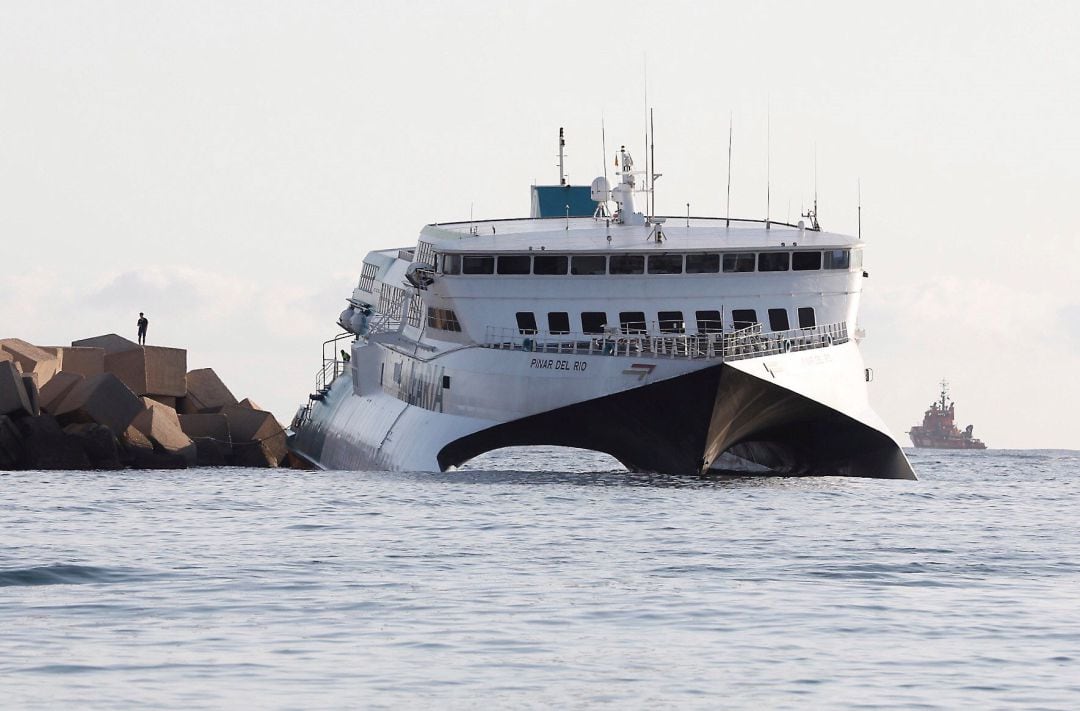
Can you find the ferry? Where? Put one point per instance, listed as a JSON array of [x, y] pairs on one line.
[[676, 344]]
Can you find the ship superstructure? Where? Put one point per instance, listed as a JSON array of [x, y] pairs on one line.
[[677, 344], [938, 429]]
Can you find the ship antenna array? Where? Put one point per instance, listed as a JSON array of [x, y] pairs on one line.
[[859, 193], [727, 220], [562, 146], [768, 162]]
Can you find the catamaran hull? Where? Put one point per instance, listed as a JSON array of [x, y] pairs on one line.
[[800, 413]]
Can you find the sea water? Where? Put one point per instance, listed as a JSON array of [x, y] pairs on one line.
[[541, 578]]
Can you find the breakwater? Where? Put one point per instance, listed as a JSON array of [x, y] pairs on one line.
[[109, 403]]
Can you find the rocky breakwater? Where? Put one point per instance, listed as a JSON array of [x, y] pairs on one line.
[[109, 403]]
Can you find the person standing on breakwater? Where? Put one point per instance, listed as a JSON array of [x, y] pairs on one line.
[[143, 323]]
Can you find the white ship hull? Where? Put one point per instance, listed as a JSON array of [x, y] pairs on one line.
[[798, 413]]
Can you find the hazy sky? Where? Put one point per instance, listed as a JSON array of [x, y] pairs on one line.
[[225, 166]]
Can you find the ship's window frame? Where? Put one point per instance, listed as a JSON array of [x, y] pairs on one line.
[[739, 318], [554, 259], [526, 322], [443, 319], [665, 264], [856, 258], [367, 277], [709, 321], [633, 322], [451, 264], [778, 320], [515, 264], [773, 261], [477, 264], [807, 318], [558, 323], [703, 263], [806, 261], [739, 262], [583, 260], [671, 322], [626, 264], [593, 322], [837, 259]]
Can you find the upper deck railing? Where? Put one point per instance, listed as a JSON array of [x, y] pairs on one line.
[[651, 341]]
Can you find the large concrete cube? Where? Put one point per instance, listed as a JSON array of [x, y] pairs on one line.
[[30, 385], [54, 391], [31, 358], [150, 370], [111, 342], [11, 446], [205, 393], [210, 425], [13, 400], [161, 426], [84, 361], [258, 439], [103, 399]]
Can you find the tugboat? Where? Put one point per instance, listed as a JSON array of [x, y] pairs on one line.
[[937, 430]]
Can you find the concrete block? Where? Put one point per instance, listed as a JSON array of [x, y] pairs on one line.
[[31, 358], [161, 426], [111, 342], [102, 399], [166, 400], [98, 444], [250, 404], [11, 445], [205, 393], [54, 391], [46, 446], [210, 425], [29, 381], [258, 438], [132, 439], [13, 400], [150, 370], [84, 361], [211, 453]]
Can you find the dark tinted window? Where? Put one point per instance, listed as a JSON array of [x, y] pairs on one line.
[[671, 322], [478, 265], [451, 264], [739, 262], [558, 322], [627, 264], [806, 317], [632, 321], [526, 322], [550, 264], [805, 261], [593, 321], [704, 264], [588, 264], [742, 318], [773, 262], [665, 264], [709, 322], [837, 259], [514, 264], [778, 320]]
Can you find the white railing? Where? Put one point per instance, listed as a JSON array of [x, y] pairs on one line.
[[652, 342]]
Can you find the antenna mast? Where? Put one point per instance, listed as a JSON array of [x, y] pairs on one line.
[[562, 145], [768, 163], [603, 145], [727, 221], [653, 175], [859, 188]]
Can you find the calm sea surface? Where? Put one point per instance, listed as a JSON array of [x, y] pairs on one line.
[[541, 578]]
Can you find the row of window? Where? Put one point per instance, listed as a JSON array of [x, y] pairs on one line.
[[691, 263], [594, 322]]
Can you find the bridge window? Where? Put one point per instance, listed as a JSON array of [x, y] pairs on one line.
[[451, 264], [558, 323], [593, 322], [773, 261], [526, 322], [705, 263], [709, 322], [856, 258], [837, 259], [632, 321], [806, 317], [478, 265], [778, 320], [665, 264], [549, 264], [627, 264], [739, 262], [805, 261], [442, 319], [588, 265], [671, 322], [514, 264], [743, 318]]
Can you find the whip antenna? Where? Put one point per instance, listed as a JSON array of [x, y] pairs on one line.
[[727, 221]]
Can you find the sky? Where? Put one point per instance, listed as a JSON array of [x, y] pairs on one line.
[[225, 166]]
